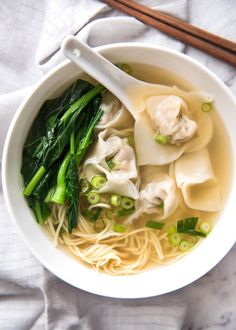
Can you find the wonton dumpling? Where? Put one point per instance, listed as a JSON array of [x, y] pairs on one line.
[[196, 179], [115, 114], [168, 115], [151, 153], [123, 156], [123, 177], [161, 190]]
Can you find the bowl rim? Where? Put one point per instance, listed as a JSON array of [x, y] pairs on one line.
[[100, 291]]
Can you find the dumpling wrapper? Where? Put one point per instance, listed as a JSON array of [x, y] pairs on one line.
[[196, 179], [157, 186], [169, 117], [115, 114], [123, 179], [150, 152]]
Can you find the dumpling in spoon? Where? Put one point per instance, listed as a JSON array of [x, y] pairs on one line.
[[169, 119], [170, 126]]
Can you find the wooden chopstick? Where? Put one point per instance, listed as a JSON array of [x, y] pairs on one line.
[[182, 25], [214, 45]]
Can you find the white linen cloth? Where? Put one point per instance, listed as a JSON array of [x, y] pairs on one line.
[[31, 33]]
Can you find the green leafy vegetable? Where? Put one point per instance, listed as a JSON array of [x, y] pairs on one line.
[[55, 146], [188, 225], [72, 192], [92, 215]]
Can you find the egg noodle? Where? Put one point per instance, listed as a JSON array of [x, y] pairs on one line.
[[111, 252]]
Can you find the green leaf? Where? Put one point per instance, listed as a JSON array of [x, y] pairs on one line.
[[92, 215], [72, 183], [188, 225], [44, 127]]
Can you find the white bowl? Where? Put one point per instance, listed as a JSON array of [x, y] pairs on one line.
[[150, 282]]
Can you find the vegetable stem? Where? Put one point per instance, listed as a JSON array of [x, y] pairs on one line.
[[60, 192], [34, 181], [38, 213], [84, 99]]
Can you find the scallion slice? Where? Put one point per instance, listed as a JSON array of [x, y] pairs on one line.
[[206, 107], [115, 200], [161, 205], [93, 197], [98, 181], [127, 203], [131, 140], [171, 230], [154, 224], [125, 67], [174, 239], [125, 213], [110, 164], [119, 228], [85, 186], [184, 246], [205, 227], [161, 139]]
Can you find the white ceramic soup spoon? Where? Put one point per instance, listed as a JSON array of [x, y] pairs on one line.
[[130, 91]]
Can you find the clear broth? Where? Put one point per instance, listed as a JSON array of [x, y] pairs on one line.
[[219, 146]]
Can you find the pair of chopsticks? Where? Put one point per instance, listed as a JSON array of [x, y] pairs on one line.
[[212, 44]]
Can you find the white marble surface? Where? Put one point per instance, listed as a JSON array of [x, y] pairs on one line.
[[211, 300]]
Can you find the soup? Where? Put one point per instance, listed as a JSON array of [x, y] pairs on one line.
[[123, 194]]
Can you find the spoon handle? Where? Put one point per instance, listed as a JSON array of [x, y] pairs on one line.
[[114, 79]]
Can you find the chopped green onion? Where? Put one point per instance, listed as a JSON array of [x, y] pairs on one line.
[[92, 215], [93, 197], [110, 164], [85, 186], [205, 227], [161, 205], [154, 224], [124, 213], [174, 239], [98, 181], [131, 140], [119, 228], [108, 214], [184, 246], [206, 107], [115, 200], [171, 230], [161, 139], [99, 225], [192, 240], [125, 67], [127, 203]]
